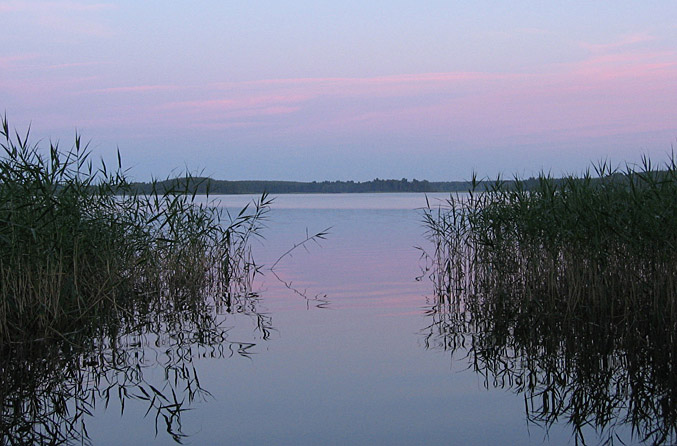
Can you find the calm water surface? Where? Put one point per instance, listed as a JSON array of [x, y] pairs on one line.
[[346, 360]]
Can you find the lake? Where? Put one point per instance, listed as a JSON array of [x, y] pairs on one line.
[[339, 344]]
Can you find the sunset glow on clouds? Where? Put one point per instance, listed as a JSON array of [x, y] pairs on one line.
[[314, 92]]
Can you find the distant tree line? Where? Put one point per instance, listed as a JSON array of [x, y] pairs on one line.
[[204, 185]]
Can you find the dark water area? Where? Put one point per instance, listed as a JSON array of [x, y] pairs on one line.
[[343, 343]]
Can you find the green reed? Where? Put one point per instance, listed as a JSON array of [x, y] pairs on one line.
[[607, 241], [77, 241], [566, 290]]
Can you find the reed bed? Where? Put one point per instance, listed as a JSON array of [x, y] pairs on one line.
[[99, 283], [566, 290], [77, 241]]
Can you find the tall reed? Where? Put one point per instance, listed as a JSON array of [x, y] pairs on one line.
[[608, 241], [76, 240], [566, 290]]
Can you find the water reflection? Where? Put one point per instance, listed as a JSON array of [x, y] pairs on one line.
[[616, 376], [51, 386]]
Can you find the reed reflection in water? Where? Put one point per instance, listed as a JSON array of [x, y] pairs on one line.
[[586, 333], [51, 386], [590, 373]]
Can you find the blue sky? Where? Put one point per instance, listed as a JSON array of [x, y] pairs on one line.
[[345, 90]]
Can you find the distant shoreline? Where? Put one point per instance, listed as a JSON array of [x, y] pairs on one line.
[[204, 185]]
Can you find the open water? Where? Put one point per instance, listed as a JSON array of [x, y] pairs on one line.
[[347, 353]]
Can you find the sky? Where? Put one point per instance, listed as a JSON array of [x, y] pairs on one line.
[[350, 90]]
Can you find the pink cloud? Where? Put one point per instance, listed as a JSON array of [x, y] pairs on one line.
[[222, 113], [65, 18], [308, 90], [35, 62], [533, 31], [70, 25], [40, 90], [225, 125], [17, 61], [285, 96], [625, 41], [610, 91], [602, 95], [134, 89], [206, 104], [46, 6], [234, 119], [76, 65], [240, 102], [629, 64], [596, 96], [369, 81]]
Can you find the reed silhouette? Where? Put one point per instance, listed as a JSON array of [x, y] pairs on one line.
[[566, 293], [99, 283]]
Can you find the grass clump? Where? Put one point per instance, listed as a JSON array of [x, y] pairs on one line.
[[566, 291], [76, 241]]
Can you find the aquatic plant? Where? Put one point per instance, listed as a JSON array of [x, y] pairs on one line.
[[567, 292], [76, 240], [94, 277]]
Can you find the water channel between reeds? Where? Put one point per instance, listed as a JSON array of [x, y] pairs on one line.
[[344, 342]]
